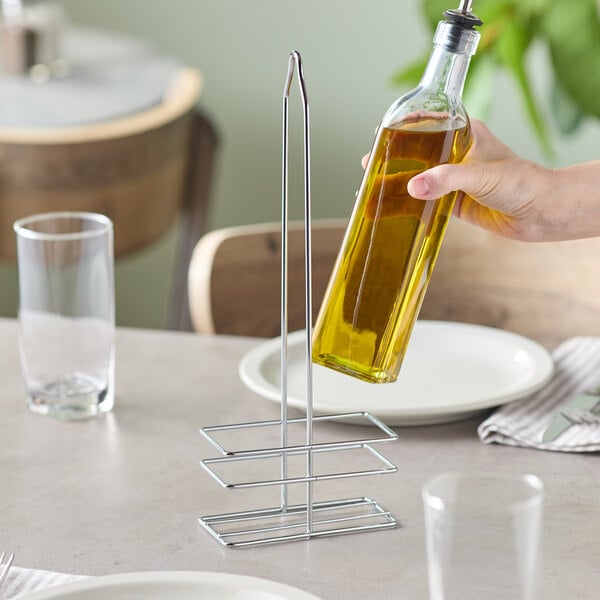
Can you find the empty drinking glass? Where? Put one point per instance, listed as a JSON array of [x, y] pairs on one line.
[[66, 312], [482, 534]]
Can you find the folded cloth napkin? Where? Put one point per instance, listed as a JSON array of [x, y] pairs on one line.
[[25, 581], [522, 423]]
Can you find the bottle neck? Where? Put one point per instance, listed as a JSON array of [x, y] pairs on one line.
[[446, 72]]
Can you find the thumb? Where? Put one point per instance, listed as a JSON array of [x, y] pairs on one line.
[[443, 179]]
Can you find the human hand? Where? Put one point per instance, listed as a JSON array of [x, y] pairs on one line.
[[514, 197], [501, 191]]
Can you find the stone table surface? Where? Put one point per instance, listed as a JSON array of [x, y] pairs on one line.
[[123, 492]]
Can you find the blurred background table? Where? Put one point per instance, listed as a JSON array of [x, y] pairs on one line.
[[119, 132], [123, 493]]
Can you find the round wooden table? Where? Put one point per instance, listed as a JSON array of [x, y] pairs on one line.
[[113, 136]]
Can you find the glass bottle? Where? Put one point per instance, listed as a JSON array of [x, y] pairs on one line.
[[392, 241]]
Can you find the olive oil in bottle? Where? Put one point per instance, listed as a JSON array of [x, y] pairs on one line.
[[392, 242]]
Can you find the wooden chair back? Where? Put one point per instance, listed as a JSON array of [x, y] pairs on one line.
[[235, 277], [545, 291]]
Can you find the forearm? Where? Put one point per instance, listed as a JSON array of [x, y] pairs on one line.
[[574, 203]]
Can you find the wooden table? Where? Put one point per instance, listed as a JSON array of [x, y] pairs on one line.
[[123, 493], [121, 135]]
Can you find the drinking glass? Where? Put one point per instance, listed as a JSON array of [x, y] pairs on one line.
[[66, 312], [483, 535]]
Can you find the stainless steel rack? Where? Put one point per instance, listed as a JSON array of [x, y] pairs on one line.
[[296, 462]]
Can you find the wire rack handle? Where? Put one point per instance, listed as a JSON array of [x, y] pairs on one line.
[[295, 64]]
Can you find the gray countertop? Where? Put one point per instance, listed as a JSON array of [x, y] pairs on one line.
[[123, 492]]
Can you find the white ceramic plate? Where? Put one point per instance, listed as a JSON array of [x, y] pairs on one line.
[[451, 371], [172, 585]]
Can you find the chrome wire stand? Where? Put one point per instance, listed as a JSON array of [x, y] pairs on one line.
[[300, 462]]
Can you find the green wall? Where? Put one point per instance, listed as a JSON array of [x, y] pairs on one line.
[[350, 49]]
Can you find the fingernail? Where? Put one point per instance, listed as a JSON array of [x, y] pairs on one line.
[[418, 187]]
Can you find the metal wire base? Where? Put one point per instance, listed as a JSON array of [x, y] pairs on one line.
[[280, 465], [267, 430], [268, 526]]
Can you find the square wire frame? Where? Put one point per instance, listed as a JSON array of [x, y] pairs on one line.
[[284, 465], [268, 526], [267, 430]]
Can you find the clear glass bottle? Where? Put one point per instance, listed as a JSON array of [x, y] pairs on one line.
[[392, 242]]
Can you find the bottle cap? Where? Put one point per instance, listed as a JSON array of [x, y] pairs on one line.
[[456, 32], [463, 16]]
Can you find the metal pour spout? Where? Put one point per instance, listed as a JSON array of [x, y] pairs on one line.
[[463, 16], [465, 6]]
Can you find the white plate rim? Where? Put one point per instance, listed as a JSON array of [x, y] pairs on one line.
[[249, 583], [250, 374]]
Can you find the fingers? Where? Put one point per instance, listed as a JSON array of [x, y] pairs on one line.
[[443, 179], [486, 146], [420, 187], [364, 160]]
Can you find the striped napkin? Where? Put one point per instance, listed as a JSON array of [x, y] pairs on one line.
[[25, 581], [522, 423]]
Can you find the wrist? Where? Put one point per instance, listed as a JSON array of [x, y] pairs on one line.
[[572, 206], [536, 217]]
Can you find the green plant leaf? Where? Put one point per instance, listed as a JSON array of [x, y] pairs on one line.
[[479, 88], [573, 33], [411, 74], [511, 48], [434, 9], [487, 10], [565, 112], [571, 28]]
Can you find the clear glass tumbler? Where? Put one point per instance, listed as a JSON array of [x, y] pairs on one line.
[[483, 535], [67, 312]]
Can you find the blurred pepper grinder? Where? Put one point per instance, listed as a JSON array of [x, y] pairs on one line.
[[392, 241], [31, 39]]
